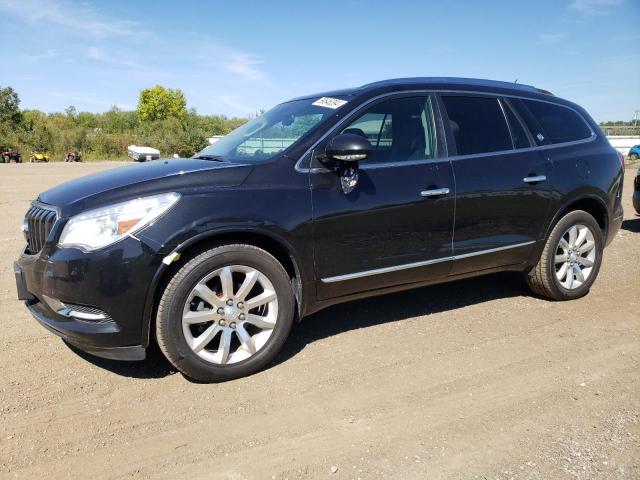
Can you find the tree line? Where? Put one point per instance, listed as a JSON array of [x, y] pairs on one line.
[[161, 120]]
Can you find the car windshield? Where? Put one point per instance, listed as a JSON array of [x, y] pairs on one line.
[[272, 132]]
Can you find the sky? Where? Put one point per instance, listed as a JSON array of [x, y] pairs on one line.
[[237, 57]]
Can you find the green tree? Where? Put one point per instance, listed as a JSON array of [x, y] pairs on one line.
[[9, 107], [37, 130], [160, 103]]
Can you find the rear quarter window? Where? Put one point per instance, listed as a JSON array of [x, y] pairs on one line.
[[560, 124]]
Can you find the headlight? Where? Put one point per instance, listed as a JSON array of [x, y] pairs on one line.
[[104, 226]]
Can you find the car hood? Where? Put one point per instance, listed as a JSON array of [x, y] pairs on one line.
[[131, 181]]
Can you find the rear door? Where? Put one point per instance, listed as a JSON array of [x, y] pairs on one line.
[[502, 184]]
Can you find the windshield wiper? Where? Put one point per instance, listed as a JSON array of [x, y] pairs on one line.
[[217, 158]]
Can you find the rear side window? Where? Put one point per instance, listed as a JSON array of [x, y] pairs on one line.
[[477, 124], [560, 124], [518, 134]]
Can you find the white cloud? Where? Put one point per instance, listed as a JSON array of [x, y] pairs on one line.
[[36, 57], [100, 55], [551, 38], [244, 65], [594, 7], [77, 19]]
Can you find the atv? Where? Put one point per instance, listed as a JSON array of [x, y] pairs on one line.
[[73, 156], [39, 157], [9, 154]]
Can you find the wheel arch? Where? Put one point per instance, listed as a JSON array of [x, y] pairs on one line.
[[274, 245], [590, 203]]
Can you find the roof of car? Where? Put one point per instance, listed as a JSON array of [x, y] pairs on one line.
[[435, 82]]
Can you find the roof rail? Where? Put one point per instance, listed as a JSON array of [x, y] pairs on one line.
[[459, 81]]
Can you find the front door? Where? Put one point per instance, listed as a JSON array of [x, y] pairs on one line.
[[392, 229]]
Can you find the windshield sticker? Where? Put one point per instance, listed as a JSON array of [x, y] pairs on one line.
[[329, 102]]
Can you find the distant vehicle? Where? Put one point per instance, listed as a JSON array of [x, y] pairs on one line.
[[636, 191], [142, 154], [634, 152], [73, 156], [8, 154], [39, 157]]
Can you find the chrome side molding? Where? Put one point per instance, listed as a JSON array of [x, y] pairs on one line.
[[407, 266]]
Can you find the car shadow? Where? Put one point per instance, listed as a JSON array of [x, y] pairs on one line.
[[632, 225], [355, 315], [154, 366], [396, 307]]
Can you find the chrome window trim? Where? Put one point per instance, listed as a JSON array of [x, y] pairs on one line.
[[593, 136], [407, 266], [528, 149]]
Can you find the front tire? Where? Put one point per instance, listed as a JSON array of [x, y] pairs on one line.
[[226, 313], [571, 258]]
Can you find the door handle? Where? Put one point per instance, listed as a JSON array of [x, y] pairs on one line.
[[434, 192], [534, 179]]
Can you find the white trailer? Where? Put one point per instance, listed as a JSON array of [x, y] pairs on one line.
[[142, 154]]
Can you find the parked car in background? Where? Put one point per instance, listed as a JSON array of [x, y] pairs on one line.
[[323, 199], [73, 156], [634, 153], [636, 191], [10, 155], [141, 154], [39, 157]]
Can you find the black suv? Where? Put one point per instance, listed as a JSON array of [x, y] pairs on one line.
[[321, 200]]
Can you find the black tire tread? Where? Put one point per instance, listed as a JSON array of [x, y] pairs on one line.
[[538, 279]]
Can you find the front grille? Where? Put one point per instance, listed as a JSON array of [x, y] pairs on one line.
[[38, 222]]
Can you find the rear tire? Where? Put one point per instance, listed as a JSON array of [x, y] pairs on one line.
[[214, 322], [571, 258]]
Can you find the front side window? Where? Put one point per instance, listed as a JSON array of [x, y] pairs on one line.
[[269, 134], [561, 124], [477, 124], [399, 130]]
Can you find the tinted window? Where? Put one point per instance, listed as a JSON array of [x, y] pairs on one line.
[[399, 130], [539, 137], [559, 123], [518, 134], [477, 124], [269, 134]]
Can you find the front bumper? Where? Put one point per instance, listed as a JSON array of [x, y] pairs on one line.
[[114, 281]]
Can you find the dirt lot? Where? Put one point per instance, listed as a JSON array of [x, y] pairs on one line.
[[474, 379]]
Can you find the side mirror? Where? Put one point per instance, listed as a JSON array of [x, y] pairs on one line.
[[349, 147]]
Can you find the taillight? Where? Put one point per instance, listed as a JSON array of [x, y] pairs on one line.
[[621, 159]]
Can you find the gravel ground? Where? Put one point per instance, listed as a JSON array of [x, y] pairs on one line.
[[473, 379]]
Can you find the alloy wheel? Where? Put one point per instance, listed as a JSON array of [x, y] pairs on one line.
[[575, 256], [230, 314]]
